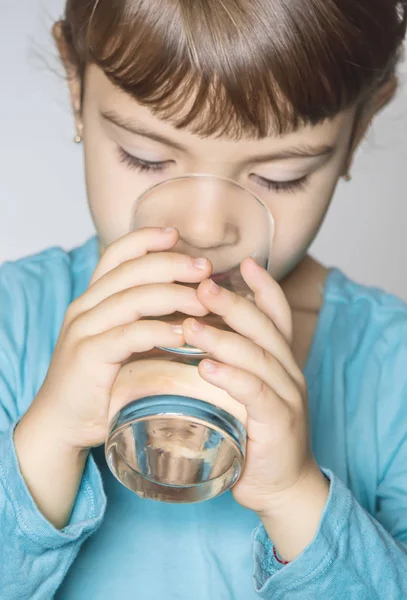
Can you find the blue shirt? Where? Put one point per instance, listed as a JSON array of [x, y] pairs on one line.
[[133, 548]]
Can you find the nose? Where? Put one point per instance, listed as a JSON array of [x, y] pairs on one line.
[[205, 227], [208, 220], [209, 213]]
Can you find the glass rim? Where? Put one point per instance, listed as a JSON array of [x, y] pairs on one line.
[[208, 176], [174, 405], [203, 176]]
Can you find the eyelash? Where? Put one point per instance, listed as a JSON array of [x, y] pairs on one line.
[[284, 186], [138, 164], [144, 166]]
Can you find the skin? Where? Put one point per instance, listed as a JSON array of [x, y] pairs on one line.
[[300, 214], [258, 365]]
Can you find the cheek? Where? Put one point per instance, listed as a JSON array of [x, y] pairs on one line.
[[111, 188], [297, 222]]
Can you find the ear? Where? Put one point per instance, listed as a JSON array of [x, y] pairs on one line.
[[72, 75], [378, 102]]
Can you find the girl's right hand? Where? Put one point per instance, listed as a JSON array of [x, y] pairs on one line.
[[103, 328]]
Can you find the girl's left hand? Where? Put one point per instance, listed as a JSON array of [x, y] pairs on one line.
[[256, 367]]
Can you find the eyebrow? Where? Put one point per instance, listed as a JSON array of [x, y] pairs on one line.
[[138, 128]]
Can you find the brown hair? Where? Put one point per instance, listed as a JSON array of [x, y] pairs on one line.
[[239, 66]]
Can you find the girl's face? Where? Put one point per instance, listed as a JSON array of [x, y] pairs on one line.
[[128, 149]]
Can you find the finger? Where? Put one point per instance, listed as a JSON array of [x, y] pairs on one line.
[[250, 321], [262, 403], [120, 343], [269, 297], [237, 351], [134, 244], [158, 267], [135, 303]]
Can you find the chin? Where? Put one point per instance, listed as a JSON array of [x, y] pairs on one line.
[[280, 272]]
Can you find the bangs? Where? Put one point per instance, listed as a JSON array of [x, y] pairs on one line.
[[239, 67]]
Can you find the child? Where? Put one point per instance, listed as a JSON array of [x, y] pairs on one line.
[[277, 96]]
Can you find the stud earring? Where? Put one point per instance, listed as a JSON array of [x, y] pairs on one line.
[[347, 177], [77, 139]]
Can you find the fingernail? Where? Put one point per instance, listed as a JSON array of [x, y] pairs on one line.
[[177, 329], [213, 288], [209, 366], [168, 229], [200, 263], [196, 325]]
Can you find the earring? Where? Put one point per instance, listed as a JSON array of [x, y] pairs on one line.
[[79, 132], [347, 177]]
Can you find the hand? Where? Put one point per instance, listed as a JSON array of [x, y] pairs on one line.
[[102, 329], [256, 367]]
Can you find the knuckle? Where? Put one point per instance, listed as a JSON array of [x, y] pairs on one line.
[[266, 359], [289, 418], [173, 257], [130, 297], [110, 257], [301, 385], [73, 311], [83, 347], [261, 394], [106, 259], [297, 397], [122, 332], [111, 249], [74, 331], [176, 263], [125, 269], [183, 295]]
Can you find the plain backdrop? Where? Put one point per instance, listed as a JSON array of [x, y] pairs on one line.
[[42, 185]]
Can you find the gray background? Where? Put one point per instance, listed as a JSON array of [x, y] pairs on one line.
[[42, 190]]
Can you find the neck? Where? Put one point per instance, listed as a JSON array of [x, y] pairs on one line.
[[304, 284], [303, 288]]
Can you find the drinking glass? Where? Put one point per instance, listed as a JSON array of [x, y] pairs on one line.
[[174, 438]]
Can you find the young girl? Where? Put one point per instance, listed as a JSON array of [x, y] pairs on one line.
[[277, 96]]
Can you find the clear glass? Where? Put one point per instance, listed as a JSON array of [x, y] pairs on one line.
[[186, 451], [164, 443]]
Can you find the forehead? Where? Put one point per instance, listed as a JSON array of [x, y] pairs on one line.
[[103, 96]]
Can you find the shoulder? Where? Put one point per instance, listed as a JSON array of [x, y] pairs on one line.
[[53, 273], [37, 289], [368, 344], [363, 374], [51, 266], [363, 318], [35, 293]]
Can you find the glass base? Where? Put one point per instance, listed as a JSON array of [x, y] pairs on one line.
[[186, 350], [175, 449]]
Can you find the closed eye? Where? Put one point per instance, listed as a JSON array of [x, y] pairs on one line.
[[283, 186], [145, 166], [141, 165]]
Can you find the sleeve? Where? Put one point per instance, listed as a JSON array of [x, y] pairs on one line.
[[355, 555], [35, 555]]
